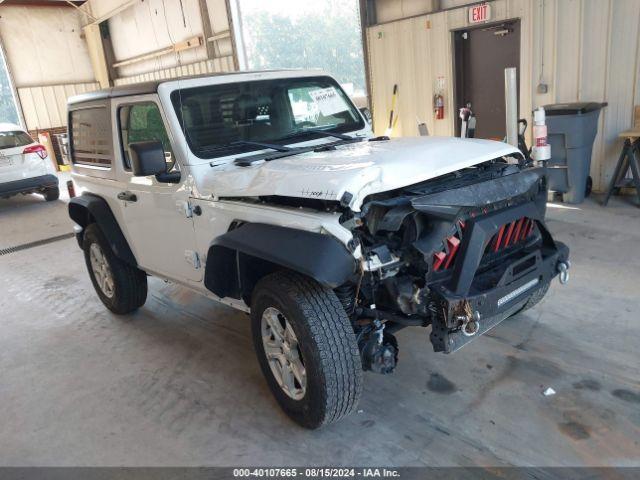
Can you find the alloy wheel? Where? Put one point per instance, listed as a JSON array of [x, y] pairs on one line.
[[283, 353]]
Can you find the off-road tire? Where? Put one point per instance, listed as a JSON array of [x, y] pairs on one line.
[[535, 298], [51, 194], [326, 341], [130, 283]]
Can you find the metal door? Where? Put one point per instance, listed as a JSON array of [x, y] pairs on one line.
[[157, 217], [481, 55]]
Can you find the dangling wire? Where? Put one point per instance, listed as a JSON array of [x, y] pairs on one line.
[[178, 62], [184, 20], [159, 58]]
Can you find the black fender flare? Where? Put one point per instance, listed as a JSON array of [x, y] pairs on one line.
[[237, 259], [89, 208]]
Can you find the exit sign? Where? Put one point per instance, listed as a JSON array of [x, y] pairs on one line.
[[479, 13]]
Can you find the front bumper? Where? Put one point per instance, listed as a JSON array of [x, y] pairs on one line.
[[490, 295], [495, 305], [28, 185]]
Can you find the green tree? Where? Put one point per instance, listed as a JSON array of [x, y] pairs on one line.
[[329, 40], [8, 112], [8, 108]]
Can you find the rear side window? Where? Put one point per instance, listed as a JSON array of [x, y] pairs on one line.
[[14, 139], [91, 137]]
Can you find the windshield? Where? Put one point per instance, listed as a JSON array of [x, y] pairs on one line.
[[14, 139], [221, 120]]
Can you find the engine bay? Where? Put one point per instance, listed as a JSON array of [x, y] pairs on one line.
[[419, 267]]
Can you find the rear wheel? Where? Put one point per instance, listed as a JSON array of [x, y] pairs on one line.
[[121, 287], [51, 194], [306, 348]]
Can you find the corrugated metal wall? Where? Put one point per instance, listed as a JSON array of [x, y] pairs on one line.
[[585, 50], [46, 107], [154, 24], [44, 45], [48, 59], [62, 66], [217, 65]]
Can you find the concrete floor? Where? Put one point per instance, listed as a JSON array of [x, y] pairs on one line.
[[177, 383], [27, 218]]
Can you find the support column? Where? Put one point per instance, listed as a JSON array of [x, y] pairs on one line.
[[207, 31], [97, 54]]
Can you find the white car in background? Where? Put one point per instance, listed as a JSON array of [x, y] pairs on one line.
[[24, 165]]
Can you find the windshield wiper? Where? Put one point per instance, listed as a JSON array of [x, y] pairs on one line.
[[289, 151], [320, 132], [239, 146], [251, 159], [267, 157], [279, 148]]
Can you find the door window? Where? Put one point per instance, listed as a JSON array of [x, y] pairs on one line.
[[142, 122]]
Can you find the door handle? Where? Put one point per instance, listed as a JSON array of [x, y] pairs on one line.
[[127, 197]]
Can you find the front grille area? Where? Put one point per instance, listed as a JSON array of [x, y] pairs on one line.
[[508, 235], [443, 259], [511, 234]]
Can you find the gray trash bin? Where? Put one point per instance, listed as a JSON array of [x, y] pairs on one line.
[[571, 130]]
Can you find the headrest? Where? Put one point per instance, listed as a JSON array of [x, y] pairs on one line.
[[245, 108]]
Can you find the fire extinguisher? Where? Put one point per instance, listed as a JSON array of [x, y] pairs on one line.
[[438, 106]]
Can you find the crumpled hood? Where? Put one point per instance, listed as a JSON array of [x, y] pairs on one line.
[[359, 168]]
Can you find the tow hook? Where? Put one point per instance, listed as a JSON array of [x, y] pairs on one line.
[[563, 271], [470, 324]]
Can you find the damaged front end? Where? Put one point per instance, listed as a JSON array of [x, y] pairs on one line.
[[460, 253]]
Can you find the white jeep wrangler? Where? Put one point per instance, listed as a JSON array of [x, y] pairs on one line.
[[267, 192]]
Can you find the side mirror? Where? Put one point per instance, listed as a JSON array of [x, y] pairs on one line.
[[366, 113], [147, 158]]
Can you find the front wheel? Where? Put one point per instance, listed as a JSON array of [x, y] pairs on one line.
[[121, 287], [306, 348]]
